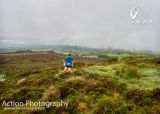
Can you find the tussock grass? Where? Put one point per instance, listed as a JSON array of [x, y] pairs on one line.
[[129, 85]]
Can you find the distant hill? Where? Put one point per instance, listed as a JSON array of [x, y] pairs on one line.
[[73, 49]]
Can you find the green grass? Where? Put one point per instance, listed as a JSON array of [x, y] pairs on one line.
[[2, 75], [130, 85], [144, 78]]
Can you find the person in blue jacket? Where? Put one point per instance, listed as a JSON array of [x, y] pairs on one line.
[[68, 62]]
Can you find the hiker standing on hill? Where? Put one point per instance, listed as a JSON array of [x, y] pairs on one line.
[[68, 62]]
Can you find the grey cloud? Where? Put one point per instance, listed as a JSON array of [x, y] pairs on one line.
[[93, 23]]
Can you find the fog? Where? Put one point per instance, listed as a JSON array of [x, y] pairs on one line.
[[89, 23]]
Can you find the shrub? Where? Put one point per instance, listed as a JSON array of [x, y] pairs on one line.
[[82, 106], [25, 94], [121, 88], [105, 105], [132, 71], [65, 75], [3, 86], [79, 72], [92, 85], [110, 84], [103, 56], [136, 96], [108, 58], [65, 91], [24, 74], [79, 64], [51, 94], [70, 86], [93, 76], [156, 93]]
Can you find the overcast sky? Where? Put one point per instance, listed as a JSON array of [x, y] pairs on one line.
[[90, 23]]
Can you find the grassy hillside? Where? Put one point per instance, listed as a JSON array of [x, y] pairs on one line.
[[126, 85]]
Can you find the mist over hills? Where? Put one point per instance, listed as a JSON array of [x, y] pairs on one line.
[[86, 23], [71, 48]]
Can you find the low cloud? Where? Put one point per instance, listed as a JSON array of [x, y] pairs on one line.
[[91, 23]]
